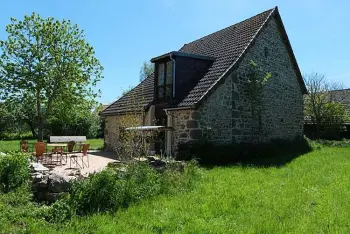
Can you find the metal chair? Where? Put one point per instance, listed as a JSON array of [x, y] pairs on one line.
[[24, 146], [70, 149], [75, 157], [84, 153]]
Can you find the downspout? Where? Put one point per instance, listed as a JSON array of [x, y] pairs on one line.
[[174, 67], [169, 134]]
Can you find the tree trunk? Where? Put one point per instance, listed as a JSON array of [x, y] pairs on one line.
[[40, 117], [40, 129], [318, 130], [32, 129]]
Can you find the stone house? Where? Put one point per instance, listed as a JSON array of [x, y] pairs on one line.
[[199, 90]]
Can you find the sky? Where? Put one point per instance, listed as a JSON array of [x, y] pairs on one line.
[[124, 34]]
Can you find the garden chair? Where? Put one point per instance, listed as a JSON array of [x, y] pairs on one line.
[[84, 154], [24, 146], [39, 152], [83, 151], [70, 149]]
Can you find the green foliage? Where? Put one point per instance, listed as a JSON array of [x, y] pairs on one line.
[[302, 197], [254, 90], [175, 181], [307, 195], [75, 122], [13, 145], [15, 135], [323, 105], [14, 171], [146, 70], [17, 211], [15, 119], [47, 63], [330, 143], [113, 189]]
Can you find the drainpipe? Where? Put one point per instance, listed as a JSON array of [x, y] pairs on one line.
[[174, 66], [169, 134]]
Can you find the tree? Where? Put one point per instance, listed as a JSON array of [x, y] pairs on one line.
[[323, 104], [254, 89], [12, 119], [146, 70], [46, 61]]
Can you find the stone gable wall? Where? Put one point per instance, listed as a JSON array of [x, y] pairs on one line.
[[225, 115], [112, 128], [282, 116]]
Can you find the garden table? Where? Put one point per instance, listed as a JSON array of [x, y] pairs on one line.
[[58, 146]]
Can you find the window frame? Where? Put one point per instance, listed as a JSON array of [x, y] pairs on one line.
[[165, 85]]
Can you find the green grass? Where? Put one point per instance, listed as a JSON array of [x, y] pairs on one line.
[[13, 145], [311, 194]]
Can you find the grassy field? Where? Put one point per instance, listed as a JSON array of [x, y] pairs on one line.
[[311, 194], [13, 145]]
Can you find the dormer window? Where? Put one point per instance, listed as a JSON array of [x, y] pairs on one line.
[[164, 84]]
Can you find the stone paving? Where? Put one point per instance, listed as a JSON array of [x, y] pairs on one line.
[[97, 161]]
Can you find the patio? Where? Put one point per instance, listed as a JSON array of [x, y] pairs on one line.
[[98, 160]]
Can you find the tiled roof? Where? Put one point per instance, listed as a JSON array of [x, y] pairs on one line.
[[134, 100], [228, 46]]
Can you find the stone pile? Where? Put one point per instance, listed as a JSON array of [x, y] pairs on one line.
[[48, 185]]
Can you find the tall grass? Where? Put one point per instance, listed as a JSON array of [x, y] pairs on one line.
[[311, 194], [113, 189]]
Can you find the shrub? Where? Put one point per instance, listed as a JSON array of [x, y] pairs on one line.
[[208, 153], [99, 192], [140, 181], [174, 181], [113, 188], [14, 171]]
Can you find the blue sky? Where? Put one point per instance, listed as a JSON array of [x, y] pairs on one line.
[[127, 33]]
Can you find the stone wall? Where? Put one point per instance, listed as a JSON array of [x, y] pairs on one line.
[[211, 121], [113, 124], [225, 115], [282, 116]]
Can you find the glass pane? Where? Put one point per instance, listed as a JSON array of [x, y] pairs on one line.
[[169, 72], [160, 92], [161, 74]]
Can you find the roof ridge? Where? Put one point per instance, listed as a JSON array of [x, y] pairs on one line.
[[232, 25]]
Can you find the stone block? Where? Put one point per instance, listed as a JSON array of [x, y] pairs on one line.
[[233, 104], [235, 96], [196, 133], [196, 115], [234, 122], [235, 114], [183, 135], [234, 77], [192, 124], [236, 132]]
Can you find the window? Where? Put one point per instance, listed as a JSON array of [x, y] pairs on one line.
[[164, 86]]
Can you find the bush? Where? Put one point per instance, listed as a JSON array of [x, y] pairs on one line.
[[112, 189], [174, 181], [212, 154], [14, 171]]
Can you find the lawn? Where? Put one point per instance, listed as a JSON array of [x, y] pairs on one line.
[[13, 145], [311, 194]]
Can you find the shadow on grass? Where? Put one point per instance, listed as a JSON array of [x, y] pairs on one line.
[[276, 153]]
